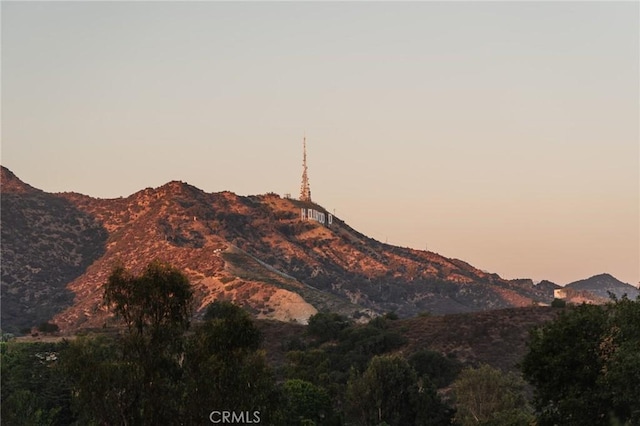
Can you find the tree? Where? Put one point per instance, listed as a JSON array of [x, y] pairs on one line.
[[620, 349], [34, 389], [435, 368], [328, 364], [224, 368], [305, 403], [487, 396], [155, 306], [326, 325], [229, 328], [585, 366], [105, 382], [139, 374], [388, 392]]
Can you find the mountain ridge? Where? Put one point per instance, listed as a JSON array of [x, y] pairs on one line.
[[273, 255]]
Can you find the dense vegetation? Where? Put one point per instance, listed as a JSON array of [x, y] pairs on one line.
[[585, 366], [162, 369]]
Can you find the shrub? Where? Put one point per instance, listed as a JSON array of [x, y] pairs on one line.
[[47, 327], [326, 325]]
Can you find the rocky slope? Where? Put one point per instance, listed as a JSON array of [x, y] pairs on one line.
[[58, 250]]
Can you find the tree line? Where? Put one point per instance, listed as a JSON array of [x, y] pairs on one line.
[[162, 368]]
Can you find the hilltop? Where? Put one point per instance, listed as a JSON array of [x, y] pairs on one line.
[[258, 251], [603, 284]]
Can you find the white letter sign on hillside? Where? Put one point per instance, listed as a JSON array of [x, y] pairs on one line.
[[315, 215]]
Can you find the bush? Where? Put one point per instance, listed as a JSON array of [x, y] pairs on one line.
[[47, 327], [391, 316], [326, 325], [437, 369], [558, 303]]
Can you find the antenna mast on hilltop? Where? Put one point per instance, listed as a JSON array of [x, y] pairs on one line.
[[305, 190]]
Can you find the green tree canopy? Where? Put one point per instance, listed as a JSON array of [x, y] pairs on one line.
[[139, 374], [585, 366], [305, 403], [327, 325], [156, 303], [157, 373], [106, 383], [434, 367], [224, 368], [388, 392], [228, 328], [34, 389], [487, 396]]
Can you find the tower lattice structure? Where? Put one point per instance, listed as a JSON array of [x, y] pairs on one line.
[[305, 190]]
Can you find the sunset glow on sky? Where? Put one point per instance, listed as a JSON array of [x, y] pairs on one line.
[[505, 134]]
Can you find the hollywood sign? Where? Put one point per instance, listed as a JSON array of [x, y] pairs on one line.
[[318, 216]]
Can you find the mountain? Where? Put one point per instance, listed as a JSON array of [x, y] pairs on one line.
[[603, 284], [280, 258], [46, 243]]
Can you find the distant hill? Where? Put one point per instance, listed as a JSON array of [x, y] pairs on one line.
[[601, 285], [548, 286], [259, 251]]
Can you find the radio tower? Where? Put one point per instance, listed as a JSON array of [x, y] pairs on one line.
[[305, 191]]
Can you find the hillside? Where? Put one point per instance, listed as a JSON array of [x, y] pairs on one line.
[[497, 337], [46, 243], [603, 284], [58, 250]]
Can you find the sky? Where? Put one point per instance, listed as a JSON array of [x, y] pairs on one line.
[[505, 134]]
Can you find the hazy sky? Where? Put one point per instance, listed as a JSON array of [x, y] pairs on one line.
[[505, 134]]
